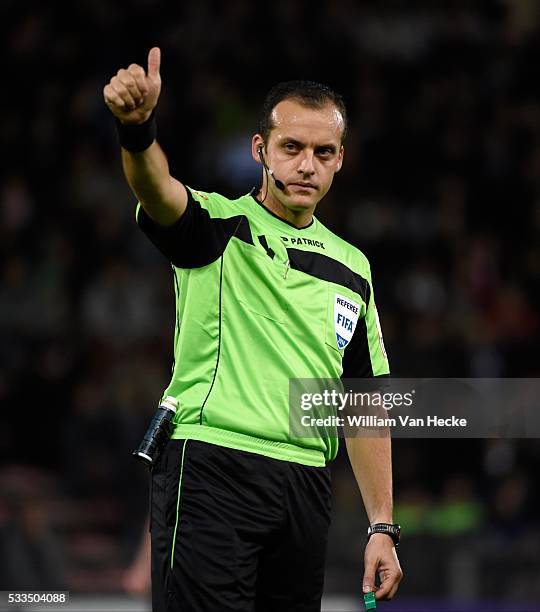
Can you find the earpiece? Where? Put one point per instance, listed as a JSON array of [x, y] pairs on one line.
[[278, 183]]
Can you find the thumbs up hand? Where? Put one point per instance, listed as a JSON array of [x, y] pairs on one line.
[[132, 94]]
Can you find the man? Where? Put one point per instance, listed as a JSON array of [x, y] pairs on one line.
[[240, 510]]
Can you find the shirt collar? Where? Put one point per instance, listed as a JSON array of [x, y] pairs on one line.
[[253, 194]]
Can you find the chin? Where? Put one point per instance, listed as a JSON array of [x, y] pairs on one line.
[[298, 203]]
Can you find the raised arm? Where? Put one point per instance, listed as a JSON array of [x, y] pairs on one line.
[[132, 95]]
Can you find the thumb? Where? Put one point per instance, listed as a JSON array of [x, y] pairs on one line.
[[368, 582], [154, 61]]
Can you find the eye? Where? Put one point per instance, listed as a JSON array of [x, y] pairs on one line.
[[325, 152], [291, 147]]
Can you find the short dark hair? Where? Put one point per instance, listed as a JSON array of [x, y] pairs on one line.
[[308, 93]]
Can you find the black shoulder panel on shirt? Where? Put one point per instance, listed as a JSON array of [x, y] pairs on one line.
[[328, 269], [356, 358], [196, 239], [356, 361]]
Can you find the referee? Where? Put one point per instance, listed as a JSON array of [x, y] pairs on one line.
[[239, 510]]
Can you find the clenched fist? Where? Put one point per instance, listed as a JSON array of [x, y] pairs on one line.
[[132, 94]]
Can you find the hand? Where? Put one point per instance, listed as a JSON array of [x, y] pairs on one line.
[[132, 94], [380, 557], [136, 580]]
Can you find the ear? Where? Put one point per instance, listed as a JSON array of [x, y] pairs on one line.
[[257, 143], [340, 158]]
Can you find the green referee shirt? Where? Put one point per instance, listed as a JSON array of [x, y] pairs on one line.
[[260, 302]]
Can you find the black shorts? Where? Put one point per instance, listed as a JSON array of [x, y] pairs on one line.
[[236, 531]]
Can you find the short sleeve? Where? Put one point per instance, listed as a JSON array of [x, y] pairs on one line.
[[197, 239], [365, 356]]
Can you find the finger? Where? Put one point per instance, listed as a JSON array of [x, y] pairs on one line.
[[138, 73], [154, 62], [129, 82], [388, 587], [384, 590], [123, 92], [112, 99], [395, 587], [368, 581]]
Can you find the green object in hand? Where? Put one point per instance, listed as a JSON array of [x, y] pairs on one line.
[[369, 601]]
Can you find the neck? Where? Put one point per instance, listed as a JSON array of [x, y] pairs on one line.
[[299, 218]]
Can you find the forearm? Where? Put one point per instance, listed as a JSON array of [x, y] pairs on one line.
[[371, 461], [147, 173]]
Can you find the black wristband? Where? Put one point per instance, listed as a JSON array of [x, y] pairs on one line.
[[137, 137], [389, 529]]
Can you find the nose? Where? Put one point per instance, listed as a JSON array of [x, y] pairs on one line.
[[306, 163]]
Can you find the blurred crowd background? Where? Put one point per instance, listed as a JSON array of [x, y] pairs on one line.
[[440, 188]]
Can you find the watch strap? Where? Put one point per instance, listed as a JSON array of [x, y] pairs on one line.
[[391, 529]]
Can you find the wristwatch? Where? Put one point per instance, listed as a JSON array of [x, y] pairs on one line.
[[394, 531]]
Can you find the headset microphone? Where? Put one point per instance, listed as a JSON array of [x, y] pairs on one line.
[[278, 183]]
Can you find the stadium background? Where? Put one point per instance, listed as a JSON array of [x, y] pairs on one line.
[[440, 188]]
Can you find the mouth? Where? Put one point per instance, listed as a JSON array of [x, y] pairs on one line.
[[303, 186]]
